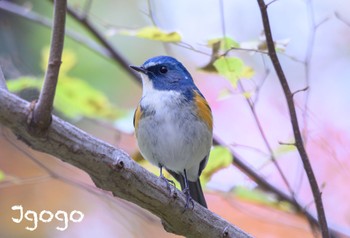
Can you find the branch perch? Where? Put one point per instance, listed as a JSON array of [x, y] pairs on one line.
[[294, 120], [238, 162], [112, 170], [41, 115]]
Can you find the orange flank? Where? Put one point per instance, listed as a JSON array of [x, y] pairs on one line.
[[137, 117], [204, 111]]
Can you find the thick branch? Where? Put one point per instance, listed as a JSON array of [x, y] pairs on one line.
[[41, 118], [113, 170], [294, 120]]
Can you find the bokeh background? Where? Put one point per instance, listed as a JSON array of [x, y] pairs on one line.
[[313, 40]]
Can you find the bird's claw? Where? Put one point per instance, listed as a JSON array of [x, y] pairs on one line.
[[189, 199], [169, 183]]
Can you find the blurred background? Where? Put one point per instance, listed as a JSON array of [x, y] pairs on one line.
[[251, 119]]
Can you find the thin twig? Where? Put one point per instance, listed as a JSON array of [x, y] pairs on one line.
[[341, 18], [116, 56], [255, 116], [300, 90], [268, 4], [20, 11], [294, 120], [266, 142], [41, 117], [245, 49], [307, 69]]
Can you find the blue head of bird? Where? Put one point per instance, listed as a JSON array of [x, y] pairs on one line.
[[165, 73]]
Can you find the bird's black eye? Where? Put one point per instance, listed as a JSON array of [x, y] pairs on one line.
[[163, 69]]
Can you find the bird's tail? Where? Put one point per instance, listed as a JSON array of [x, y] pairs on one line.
[[195, 188], [197, 192]]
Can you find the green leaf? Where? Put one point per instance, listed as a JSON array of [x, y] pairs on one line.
[[260, 197], [284, 149], [247, 72], [226, 43], [16, 85], [154, 33], [224, 94], [233, 69], [218, 45], [220, 157], [2, 175], [253, 195], [69, 60], [76, 98], [230, 68]]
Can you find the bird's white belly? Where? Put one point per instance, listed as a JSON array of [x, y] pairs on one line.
[[174, 138]]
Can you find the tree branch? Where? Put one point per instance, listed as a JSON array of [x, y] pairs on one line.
[[41, 115], [82, 18], [20, 11], [115, 55], [294, 120], [113, 170], [238, 162]]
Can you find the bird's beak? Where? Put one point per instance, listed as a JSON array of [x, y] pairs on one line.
[[139, 69]]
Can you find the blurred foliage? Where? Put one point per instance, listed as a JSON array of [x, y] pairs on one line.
[[261, 197], [2, 175], [233, 69], [225, 43], [284, 149], [220, 157], [154, 33], [74, 97]]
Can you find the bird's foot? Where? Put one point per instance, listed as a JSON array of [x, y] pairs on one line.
[[170, 184], [189, 200]]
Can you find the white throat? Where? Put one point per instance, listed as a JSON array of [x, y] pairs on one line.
[[147, 85], [154, 97]]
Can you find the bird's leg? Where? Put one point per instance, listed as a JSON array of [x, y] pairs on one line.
[[168, 181], [186, 191]]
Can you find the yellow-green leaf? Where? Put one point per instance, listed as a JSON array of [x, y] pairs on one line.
[[284, 149], [2, 175], [247, 95], [231, 68], [226, 43], [260, 197], [69, 60], [19, 84], [224, 94], [253, 195], [76, 98], [220, 157], [247, 72], [154, 33]]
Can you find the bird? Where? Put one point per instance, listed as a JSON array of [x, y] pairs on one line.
[[174, 124]]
